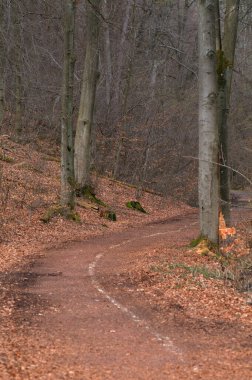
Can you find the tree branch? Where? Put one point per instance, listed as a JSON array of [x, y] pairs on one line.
[[221, 165]]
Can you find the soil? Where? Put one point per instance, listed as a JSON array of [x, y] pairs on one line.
[[81, 312]]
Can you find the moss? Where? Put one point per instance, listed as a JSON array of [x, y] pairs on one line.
[[222, 65], [196, 241], [136, 206], [87, 192], [74, 216], [110, 215], [205, 247], [58, 210], [5, 158], [203, 241]]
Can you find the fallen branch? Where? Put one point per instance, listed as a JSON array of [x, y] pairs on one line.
[[124, 184], [87, 205]]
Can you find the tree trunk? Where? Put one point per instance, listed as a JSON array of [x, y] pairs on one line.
[[153, 78], [67, 156], [229, 39], [86, 110], [2, 54], [208, 127], [225, 65], [128, 80], [121, 53], [108, 58], [17, 68], [143, 174]]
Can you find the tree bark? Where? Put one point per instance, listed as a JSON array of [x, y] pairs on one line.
[[86, 109], [121, 53], [230, 37], [108, 58], [128, 80], [17, 68], [208, 126], [225, 65], [2, 54], [67, 156]]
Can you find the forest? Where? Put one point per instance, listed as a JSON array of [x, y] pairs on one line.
[[125, 189], [146, 99]]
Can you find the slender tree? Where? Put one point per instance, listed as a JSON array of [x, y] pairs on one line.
[[17, 66], [121, 52], [86, 108], [225, 54], [208, 126], [118, 85], [67, 156], [1, 62], [108, 58]]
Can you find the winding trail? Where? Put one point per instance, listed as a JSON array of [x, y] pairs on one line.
[[102, 332], [73, 306]]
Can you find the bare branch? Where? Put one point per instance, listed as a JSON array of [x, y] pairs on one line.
[[221, 165]]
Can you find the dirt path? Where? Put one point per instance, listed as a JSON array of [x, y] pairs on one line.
[[82, 325]]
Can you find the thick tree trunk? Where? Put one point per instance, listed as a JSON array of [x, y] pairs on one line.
[[86, 110], [208, 127], [67, 156], [226, 58]]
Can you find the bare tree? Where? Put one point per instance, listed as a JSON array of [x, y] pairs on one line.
[[119, 87], [67, 156], [121, 52], [2, 54], [225, 63], [208, 126], [86, 108], [108, 59], [17, 66]]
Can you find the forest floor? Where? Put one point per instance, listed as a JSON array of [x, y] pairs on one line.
[[114, 300]]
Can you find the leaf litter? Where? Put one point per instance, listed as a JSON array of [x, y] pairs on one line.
[[175, 281]]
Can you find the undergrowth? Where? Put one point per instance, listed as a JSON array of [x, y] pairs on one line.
[[58, 210], [183, 269]]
